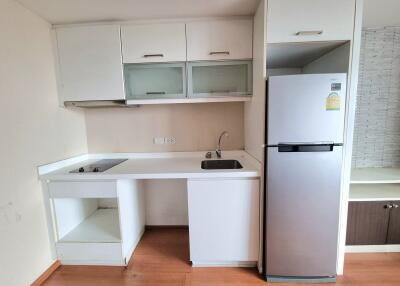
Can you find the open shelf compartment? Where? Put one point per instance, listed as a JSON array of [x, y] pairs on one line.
[[84, 220], [375, 176]]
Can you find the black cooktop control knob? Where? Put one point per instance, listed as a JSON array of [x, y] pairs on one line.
[[81, 170], [95, 169]]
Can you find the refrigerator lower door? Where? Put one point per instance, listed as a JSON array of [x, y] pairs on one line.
[[303, 195]]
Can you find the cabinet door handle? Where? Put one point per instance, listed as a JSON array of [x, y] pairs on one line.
[[388, 206], [309, 33], [155, 92], [153, 55], [220, 53], [220, 91]]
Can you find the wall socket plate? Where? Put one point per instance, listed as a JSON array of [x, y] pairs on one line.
[[164, 140], [158, 140], [169, 140]]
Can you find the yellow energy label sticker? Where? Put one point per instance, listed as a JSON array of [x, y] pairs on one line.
[[333, 101]]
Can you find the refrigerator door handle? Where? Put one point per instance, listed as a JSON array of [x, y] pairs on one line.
[[306, 147]]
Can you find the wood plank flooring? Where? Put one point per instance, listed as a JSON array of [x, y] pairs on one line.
[[161, 259]]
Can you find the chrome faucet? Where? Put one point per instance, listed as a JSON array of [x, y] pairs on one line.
[[218, 151]]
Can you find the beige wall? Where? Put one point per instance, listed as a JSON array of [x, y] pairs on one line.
[[196, 127], [34, 132]]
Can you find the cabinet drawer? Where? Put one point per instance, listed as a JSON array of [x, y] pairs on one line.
[[153, 43], [90, 253], [309, 20], [220, 40], [81, 189]]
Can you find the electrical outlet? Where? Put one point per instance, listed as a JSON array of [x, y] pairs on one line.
[[158, 140], [169, 140]]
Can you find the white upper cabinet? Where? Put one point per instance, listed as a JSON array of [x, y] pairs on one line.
[[219, 39], [310, 20], [90, 63], [148, 43]]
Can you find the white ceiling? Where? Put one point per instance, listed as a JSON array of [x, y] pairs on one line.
[[77, 11], [379, 13]]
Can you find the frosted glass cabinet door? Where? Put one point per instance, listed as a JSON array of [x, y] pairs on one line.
[[155, 81], [217, 79]]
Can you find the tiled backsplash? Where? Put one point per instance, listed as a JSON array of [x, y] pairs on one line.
[[377, 123]]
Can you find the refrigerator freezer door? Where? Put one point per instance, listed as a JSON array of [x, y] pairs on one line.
[[302, 213], [306, 108]]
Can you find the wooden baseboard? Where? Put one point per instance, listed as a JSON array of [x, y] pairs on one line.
[[45, 275], [149, 227]]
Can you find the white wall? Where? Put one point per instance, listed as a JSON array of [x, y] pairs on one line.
[[283, 71], [34, 132], [254, 111], [166, 202], [336, 61], [380, 13]]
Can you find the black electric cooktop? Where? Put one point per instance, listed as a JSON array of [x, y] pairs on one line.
[[98, 166]]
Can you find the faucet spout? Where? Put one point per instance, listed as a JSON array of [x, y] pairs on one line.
[[218, 151]]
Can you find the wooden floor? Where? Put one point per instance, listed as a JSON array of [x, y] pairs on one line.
[[162, 259]]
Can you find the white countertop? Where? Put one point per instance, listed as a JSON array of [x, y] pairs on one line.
[[168, 165]]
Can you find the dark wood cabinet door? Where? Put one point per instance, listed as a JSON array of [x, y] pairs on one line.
[[393, 236], [367, 223]]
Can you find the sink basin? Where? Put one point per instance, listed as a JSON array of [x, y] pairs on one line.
[[220, 164]]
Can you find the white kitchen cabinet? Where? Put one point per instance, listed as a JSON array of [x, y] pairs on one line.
[[145, 43], [155, 81], [220, 78], [310, 20], [90, 63], [223, 221], [219, 39], [97, 222]]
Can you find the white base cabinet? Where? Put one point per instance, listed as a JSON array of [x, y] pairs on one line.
[[224, 222], [97, 223]]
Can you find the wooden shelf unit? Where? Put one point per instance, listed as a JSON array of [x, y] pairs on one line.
[[371, 224], [375, 184]]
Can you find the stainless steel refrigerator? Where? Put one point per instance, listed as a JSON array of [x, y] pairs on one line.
[[305, 125]]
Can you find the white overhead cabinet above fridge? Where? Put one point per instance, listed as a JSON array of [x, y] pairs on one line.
[[310, 20]]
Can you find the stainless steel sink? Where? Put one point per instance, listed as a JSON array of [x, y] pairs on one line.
[[220, 164]]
